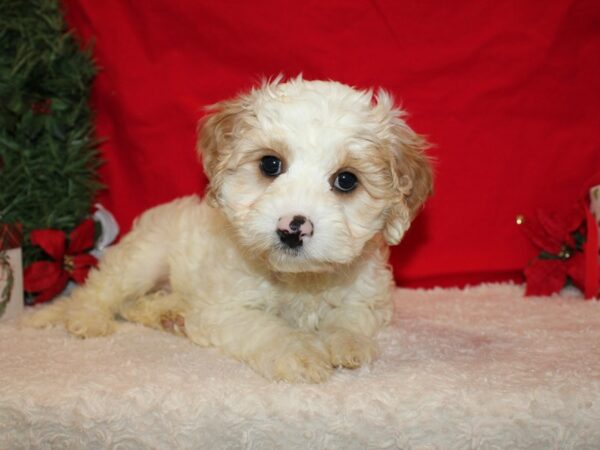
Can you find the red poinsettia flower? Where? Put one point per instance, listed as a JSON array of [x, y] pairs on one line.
[[560, 258], [70, 260]]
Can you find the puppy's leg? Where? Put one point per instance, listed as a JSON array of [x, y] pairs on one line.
[[160, 310], [127, 270], [78, 316], [347, 334], [349, 349], [46, 316], [263, 341]]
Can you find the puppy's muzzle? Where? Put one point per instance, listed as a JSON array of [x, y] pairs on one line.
[[293, 230]]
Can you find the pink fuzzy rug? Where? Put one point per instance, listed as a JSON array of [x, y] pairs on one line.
[[459, 369]]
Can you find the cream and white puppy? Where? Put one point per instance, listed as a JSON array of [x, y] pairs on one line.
[[284, 264]]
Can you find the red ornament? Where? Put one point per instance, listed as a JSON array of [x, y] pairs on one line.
[[42, 106], [47, 279]]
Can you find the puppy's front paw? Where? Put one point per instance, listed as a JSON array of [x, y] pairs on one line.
[[87, 325], [350, 350], [300, 358], [42, 318]]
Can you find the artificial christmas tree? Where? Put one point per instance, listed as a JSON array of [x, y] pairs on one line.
[[48, 153]]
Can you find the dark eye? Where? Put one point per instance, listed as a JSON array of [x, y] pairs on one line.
[[345, 181], [270, 166]]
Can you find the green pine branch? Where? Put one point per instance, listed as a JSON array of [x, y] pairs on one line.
[[48, 153]]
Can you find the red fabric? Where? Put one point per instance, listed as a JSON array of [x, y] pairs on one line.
[[508, 91]]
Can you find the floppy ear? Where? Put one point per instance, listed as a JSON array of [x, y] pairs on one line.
[[216, 132], [412, 180]]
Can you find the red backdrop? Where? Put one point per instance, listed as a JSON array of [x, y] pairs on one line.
[[508, 91]]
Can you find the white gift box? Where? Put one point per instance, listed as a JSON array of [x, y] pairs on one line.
[[11, 272]]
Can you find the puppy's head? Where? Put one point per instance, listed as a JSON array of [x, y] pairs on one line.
[[308, 172]]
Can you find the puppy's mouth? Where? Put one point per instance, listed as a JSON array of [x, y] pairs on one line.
[[282, 254], [293, 252], [299, 259], [282, 258]]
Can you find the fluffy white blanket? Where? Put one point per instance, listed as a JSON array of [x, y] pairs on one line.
[[477, 368]]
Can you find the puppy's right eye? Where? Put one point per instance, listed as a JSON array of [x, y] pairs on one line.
[[345, 182], [270, 166]]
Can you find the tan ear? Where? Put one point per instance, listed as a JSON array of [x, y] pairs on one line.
[[411, 173], [216, 133]]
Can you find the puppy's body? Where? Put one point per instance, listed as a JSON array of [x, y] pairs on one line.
[[284, 266]]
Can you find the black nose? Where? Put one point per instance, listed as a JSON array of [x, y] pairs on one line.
[[296, 223], [291, 235], [292, 240]]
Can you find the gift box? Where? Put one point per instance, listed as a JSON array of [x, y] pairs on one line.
[[11, 271], [592, 250]]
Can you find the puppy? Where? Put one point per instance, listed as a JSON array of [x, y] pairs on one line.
[[284, 264]]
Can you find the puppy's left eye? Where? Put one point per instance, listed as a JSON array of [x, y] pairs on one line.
[[345, 181], [270, 166]]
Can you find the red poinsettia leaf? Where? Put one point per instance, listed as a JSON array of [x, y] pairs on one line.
[[545, 276], [82, 237], [51, 241], [574, 217], [576, 269], [41, 275], [81, 267], [54, 290], [559, 224], [569, 241], [540, 238]]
